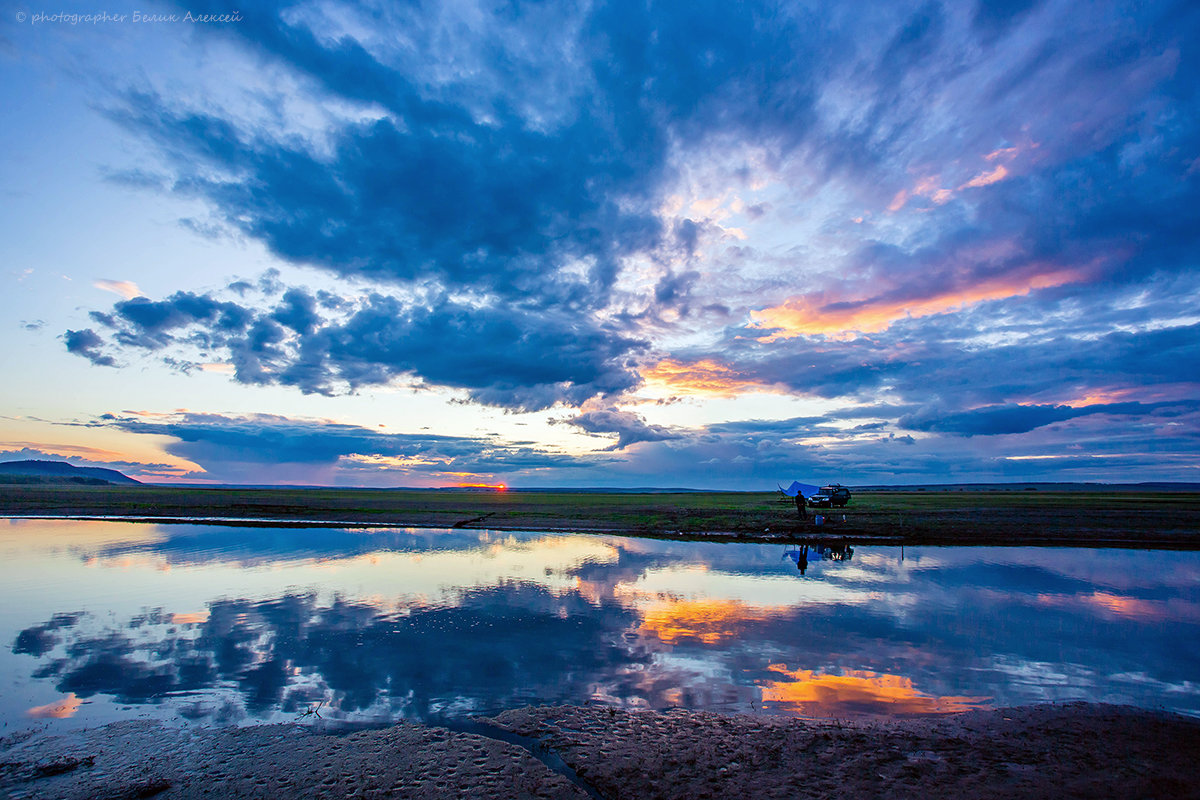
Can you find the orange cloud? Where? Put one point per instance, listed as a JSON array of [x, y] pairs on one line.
[[987, 178], [1100, 397], [941, 196], [706, 376], [929, 186], [59, 709], [192, 618], [857, 691], [219, 367], [127, 289], [809, 314]]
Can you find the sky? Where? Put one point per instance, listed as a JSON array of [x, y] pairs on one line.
[[609, 244]]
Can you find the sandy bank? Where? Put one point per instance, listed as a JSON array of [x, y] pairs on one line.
[[1076, 750]]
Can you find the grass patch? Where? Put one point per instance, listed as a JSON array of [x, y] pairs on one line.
[[1131, 517]]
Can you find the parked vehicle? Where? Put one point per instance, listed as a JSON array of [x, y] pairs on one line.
[[832, 496]]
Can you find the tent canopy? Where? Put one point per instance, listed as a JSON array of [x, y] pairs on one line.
[[805, 490]]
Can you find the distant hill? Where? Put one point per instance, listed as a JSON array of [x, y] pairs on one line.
[[45, 471]]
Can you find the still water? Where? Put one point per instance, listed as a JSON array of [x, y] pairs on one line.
[[104, 621]]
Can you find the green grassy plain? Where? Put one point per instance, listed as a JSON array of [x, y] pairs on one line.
[[1124, 518]]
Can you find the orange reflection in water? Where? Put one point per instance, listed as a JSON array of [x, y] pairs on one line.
[[1132, 607], [1112, 604], [710, 621], [857, 692], [59, 709]]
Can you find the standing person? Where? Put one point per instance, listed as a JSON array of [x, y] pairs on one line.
[[801, 507]]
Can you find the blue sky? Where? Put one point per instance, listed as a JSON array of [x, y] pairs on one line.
[[605, 244]]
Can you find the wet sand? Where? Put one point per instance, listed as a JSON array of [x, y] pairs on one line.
[[1074, 750]]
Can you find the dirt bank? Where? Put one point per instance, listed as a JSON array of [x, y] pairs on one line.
[[1076, 750]]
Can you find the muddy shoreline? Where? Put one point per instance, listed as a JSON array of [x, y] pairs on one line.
[[1072, 750]]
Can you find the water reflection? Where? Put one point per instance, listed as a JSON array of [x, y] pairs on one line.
[[227, 624], [800, 553], [856, 692]]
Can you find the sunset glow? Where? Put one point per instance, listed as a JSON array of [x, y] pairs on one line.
[[820, 315], [705, 376], [327, 245]]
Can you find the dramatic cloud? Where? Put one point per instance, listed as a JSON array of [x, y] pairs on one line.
[[981, 217], [317, 343]]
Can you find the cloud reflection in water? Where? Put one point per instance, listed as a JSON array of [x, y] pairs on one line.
[[393, 624]]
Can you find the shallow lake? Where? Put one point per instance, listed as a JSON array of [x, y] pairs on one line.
[[104, 621]]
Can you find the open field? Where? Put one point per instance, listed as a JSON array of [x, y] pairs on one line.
[[1119, 518]]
